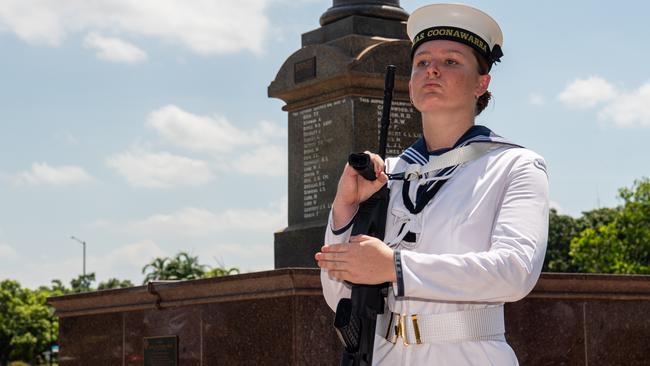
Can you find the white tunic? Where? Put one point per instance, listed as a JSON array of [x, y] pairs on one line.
[[480, 242]]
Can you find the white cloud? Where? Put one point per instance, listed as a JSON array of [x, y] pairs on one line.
[[630, 109], [206, 27], [268, 160], [191, 221], [160, 170], [586, 93], [114, 49], [133, 256], [268, 129], [44, 174], [7, 252], [124, 262], [211, 134], [197, 133], [247, 257], [624, 108], [536, 99]]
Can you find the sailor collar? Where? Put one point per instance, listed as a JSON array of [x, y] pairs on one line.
[[418, 153]]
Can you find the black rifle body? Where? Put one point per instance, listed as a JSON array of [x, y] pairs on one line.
[[356, 317]]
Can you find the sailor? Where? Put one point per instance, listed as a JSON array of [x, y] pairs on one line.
[[462, 237]]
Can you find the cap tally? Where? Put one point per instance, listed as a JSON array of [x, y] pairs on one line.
[[456, 22]]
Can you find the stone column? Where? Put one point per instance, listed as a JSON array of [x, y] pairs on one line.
[[333, 89]]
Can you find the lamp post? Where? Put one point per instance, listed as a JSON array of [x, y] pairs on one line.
[[84, 245]]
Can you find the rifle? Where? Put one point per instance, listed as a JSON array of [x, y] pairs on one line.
[[356, 317]]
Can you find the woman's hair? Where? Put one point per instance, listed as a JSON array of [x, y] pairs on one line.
[[484, 99]]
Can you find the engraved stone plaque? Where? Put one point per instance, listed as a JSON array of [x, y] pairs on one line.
[[161, 351], [320, 139], [319, 145], [404, 126], [324, 135], [304, 70]]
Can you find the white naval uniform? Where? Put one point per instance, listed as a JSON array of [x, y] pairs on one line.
[[480, 242]]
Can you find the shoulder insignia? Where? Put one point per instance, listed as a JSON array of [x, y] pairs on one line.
[[540, 164]]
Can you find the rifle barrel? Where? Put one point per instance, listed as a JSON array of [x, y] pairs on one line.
[[389, 85]]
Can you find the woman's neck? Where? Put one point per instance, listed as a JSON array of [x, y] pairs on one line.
[[442, 131]]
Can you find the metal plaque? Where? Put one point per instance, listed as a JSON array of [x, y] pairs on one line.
[[161, 351]]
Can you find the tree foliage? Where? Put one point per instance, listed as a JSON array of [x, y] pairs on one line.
[[182, 266], [563, 229], [222, 271], [114, 283], [27, 326], [83, 283], [620, 244]]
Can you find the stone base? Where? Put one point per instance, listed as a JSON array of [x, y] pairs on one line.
[[296, 246], [582, 319]]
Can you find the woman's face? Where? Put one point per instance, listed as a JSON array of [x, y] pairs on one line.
[[444, 77]]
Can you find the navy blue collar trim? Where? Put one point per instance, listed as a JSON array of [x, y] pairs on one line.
[[418, 153]]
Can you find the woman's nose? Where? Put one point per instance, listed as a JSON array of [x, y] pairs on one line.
[[433, 70]]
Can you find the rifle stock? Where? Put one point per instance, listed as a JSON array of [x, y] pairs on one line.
[[356, 317]]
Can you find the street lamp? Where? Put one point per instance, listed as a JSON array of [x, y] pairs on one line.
[[84, 245]]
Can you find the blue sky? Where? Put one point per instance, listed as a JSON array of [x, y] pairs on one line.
[[143, 127]]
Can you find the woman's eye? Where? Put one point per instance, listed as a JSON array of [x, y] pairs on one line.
[[451, 62], [423, 63]]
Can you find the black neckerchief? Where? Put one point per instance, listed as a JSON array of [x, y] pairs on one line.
[[416, 155]]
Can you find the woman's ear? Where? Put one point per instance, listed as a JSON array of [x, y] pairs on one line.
[[483, 84]]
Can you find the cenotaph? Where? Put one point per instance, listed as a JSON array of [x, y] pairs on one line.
[[333, 88]]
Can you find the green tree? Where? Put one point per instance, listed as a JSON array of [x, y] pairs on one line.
[[621, 245], [597, 217], [57, 289], [83, 283], [221, 271], [155, 270], [26, 323], [114, 283], [182, 266], [563, 229], [186, 267]]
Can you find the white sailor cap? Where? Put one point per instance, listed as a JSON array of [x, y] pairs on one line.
[[460, 23]]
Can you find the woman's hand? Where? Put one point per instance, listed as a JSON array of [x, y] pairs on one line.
[[354, 189], [364, 260]]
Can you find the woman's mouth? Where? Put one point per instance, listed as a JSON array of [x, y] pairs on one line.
[[431, 85]]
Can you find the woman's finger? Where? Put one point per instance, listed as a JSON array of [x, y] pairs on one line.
[[377, 162], [334, 248], [338, 275]]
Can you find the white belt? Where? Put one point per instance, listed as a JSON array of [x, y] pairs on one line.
[[468, 325]]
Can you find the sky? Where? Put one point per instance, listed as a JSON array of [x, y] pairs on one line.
[[144, 128]]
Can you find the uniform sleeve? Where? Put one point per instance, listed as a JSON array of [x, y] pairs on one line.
[[510, 268], [333, 289]]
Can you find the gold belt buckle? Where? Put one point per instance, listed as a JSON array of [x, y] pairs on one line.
[[399, 329], [402, 329], [416, 329]]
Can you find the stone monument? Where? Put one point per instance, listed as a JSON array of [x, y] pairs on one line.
[[333, 89]]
